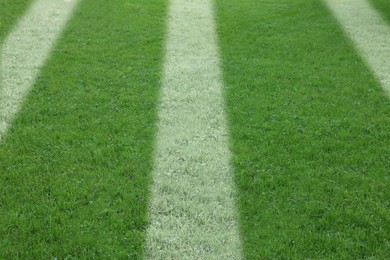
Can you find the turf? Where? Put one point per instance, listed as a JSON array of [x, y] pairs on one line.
[[10, 12], [383, 6], [309, 133], [76, 162]]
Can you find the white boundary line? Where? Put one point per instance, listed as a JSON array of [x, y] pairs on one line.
[[25, 51], [370, 33], [192, 211]]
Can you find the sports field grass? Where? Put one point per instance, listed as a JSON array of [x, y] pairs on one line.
[[10, 12], [75, 165], [308, 131], [383, 6], [310, 135]]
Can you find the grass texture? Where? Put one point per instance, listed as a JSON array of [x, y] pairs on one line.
[[75, 164], [10, 12], [25, 51], [370, 34], [383, 6], [309, 128]]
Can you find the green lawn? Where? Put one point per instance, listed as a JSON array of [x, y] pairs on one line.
[[10, 12], [75, 165], [383, 6], [309, 129], [308, 126]]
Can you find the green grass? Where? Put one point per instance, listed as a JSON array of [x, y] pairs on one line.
[[309, 129], [75, 165], [383, 6], [10, 11]]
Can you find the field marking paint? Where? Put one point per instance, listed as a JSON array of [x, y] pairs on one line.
[[192, 210], [370, 33], [25, 51]]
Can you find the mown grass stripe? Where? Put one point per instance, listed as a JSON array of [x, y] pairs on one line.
[[369, 31], [25, 51], [309, 130], [192, 213]]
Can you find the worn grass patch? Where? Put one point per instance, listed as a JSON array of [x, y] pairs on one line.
[[75, 164], [310, 133]]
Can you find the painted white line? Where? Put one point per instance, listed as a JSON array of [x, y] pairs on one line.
[[192, 209], [25, 51], [370, 33]]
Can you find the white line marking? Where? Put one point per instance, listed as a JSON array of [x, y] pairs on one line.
[[25, 51], [370, 33], [192, 211]]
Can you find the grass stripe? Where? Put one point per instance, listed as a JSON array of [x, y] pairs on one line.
[[192, 212], [75, 164], [369, 31], [309, 130], [26, 50]]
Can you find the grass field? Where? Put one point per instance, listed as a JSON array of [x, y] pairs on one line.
[[308, 125]]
